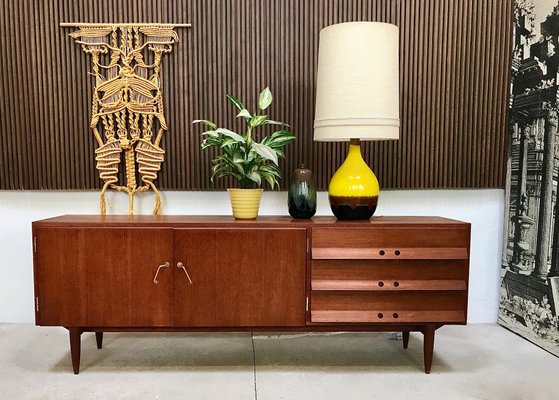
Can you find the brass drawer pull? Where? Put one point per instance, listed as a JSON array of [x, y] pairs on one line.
[[181, 266], [166, 265]]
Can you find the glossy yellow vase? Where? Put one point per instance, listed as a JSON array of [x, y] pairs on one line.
[[245, 202], [354, 188]]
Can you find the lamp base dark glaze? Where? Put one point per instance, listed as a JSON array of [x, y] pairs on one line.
[[353, 208]]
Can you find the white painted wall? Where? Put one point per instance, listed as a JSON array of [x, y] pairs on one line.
[[482, 208]]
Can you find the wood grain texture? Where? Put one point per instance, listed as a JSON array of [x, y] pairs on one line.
[[240, 277], [389, 270], [75, 347], [99, 340], [388, 300], [384, 285], [104, 277], [428, 346], [263, 222], [308, 328], [380, 253], [388, 306], [361, 242], [386, 316], [92, 274], [454, 87], [405, 339]]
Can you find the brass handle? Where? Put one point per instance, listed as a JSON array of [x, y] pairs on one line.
[[166, 265], [181, 266]]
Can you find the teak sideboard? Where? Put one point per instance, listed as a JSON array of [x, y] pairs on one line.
[[198, 273]]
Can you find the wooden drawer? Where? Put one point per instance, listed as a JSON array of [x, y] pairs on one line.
[[388, 307], [389, 291], [389, 275], [420, 243], [388, 316]]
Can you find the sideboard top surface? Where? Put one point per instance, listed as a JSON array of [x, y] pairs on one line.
[[221, 221]]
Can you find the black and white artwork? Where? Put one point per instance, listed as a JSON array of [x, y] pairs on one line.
[[530, 267]]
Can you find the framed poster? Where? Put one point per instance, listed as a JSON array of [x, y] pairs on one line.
[[530, 268]]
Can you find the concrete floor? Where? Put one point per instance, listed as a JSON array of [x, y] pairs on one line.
[[473, 362]]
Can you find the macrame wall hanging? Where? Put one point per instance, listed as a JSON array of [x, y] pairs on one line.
[[127, 117]]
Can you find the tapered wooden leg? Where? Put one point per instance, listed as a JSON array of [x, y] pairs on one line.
[[99, 339], [428, 344], [75, 348], [405, 339]]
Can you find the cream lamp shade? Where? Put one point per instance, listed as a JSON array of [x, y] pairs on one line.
[[357, 94]]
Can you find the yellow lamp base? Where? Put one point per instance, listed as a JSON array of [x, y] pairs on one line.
[[354, 188]]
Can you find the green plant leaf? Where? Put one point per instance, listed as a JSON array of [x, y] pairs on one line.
[[279, 139], [270, 179], [258, 120], [205, 122], [222, 166], [249, 163], [231, 134], [239, 166], [228, 142], [244, 113], [235, 101], [211, 141], [255, 177], [272, 122], [265, 152], [270, 169], [231, 149], [265, 98]]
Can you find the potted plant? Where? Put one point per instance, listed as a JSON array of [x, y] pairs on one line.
[[241, 156]]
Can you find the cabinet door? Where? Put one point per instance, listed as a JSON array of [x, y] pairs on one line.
[[104, 277], [240, 277]]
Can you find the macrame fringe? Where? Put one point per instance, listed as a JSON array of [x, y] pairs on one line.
[[103, 204], [157, 208], [131, 203], [121, 121]]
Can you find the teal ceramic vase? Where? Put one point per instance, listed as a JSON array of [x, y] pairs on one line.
[[301, 197]]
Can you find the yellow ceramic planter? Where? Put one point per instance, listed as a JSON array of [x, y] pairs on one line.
[[245, 202]]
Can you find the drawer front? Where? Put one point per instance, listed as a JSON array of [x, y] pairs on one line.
[[389, 291], [389, 275], [388, 316], [421, 243], [388, 307]]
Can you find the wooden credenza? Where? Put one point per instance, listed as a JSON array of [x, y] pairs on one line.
[[189, 273]]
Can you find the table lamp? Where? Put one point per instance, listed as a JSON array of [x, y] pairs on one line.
[[357, 98]]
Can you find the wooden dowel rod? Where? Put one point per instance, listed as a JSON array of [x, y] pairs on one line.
[[78, 24]]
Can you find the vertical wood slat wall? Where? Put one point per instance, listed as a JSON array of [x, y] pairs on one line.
[[454, 58]]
